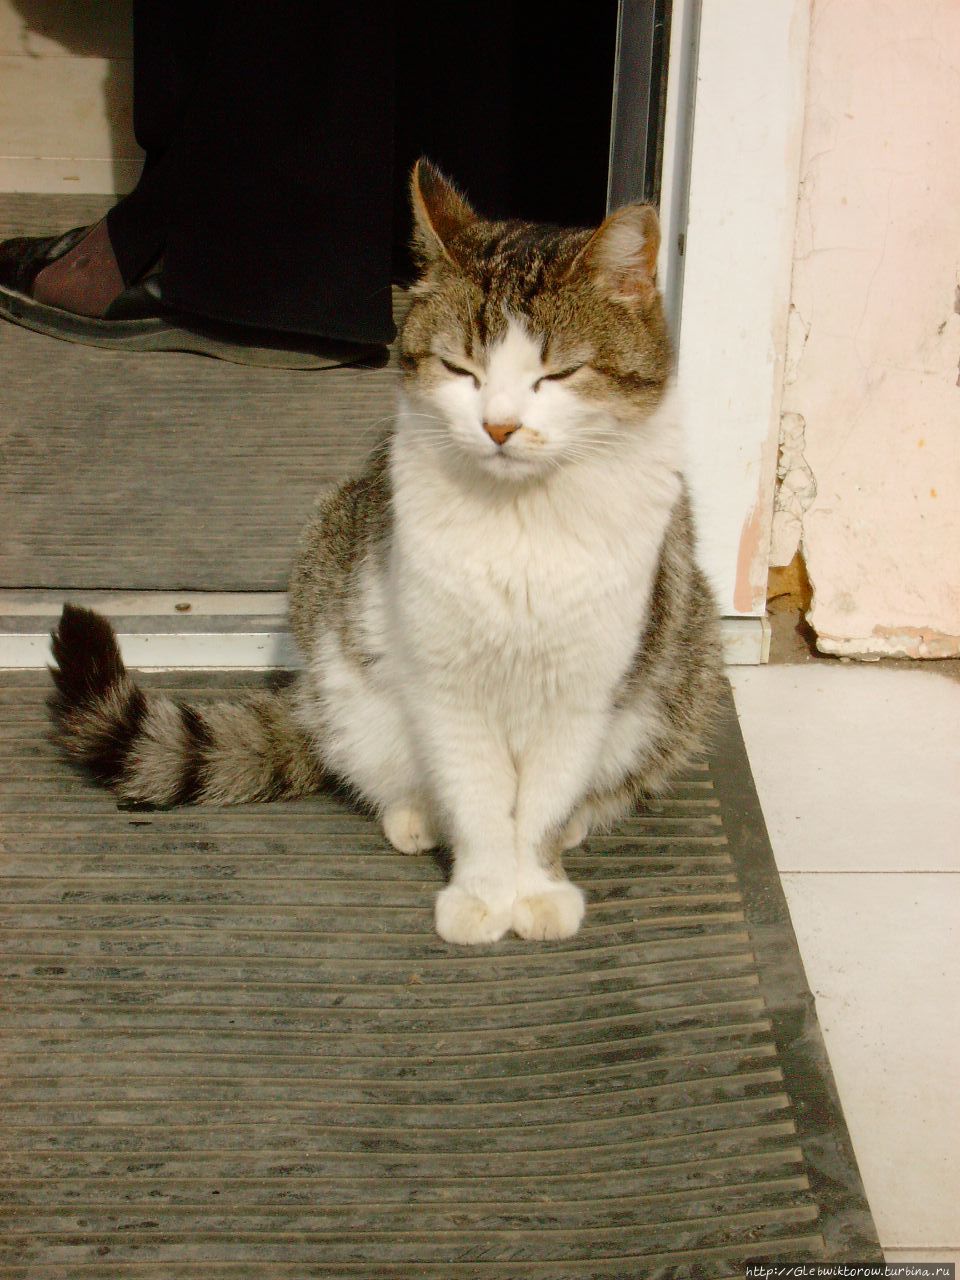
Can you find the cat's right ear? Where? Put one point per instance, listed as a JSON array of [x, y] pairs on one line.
[[440, 212], [621, 255]]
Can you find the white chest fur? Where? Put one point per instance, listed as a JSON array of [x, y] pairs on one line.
[[502, 593]]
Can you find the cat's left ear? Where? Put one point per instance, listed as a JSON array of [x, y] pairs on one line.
[[622, 254], [440, 212]]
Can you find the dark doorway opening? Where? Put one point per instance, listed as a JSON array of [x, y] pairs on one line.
[[513, 101]]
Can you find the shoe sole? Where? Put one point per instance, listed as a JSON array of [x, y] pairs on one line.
[[233, 343]]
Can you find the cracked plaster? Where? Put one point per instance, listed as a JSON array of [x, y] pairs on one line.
[[796, 490]]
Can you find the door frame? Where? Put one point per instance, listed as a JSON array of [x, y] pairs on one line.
[[733, 128]]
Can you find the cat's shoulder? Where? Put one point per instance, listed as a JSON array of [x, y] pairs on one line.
[[348, 517], [347, 521]]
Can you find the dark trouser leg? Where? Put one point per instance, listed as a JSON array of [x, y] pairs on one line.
[[171, 40], [268, 184]]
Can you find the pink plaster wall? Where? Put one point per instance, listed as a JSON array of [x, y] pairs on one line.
[[871, 480]]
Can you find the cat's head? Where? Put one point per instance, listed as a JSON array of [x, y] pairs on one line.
[[530, 347]]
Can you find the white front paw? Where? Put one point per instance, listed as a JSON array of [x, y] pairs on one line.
[[551, 913], [408, 828], [468, 918]]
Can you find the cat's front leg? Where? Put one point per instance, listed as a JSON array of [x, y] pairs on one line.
[[554, 774], [475, 783]]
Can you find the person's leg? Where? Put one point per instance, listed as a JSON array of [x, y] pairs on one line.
[[170, 44], [282, 215], [266, 190]]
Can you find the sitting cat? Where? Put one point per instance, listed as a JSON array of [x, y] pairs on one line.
[[507, 639]]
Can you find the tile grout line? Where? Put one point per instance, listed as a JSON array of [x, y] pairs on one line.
[[930, 871], [921, 1248]]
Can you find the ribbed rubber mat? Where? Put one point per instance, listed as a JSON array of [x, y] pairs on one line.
[[232, 1046], [183, 473]]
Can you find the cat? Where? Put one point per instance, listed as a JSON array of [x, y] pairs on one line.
[[507, 639]]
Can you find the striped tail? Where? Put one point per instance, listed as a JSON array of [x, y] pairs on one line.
[[153, 750]]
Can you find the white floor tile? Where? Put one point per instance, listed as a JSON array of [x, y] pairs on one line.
[[883, 960], [857, 767]]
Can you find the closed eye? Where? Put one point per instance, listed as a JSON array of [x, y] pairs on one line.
[[558, 376], [459, 370]]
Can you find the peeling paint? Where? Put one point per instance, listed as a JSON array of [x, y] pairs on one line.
[[796, 489], [892, 642], [749, 553]]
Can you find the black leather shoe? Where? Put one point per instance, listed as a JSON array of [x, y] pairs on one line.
[[138, 320], [22, 259]]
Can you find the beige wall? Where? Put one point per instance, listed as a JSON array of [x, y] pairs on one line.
[[870, 454], [65, 96]]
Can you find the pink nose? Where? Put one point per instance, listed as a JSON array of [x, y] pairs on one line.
[[499, 432]]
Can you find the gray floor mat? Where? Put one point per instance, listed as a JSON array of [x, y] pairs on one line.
[[231, 1045], [183, 473]]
